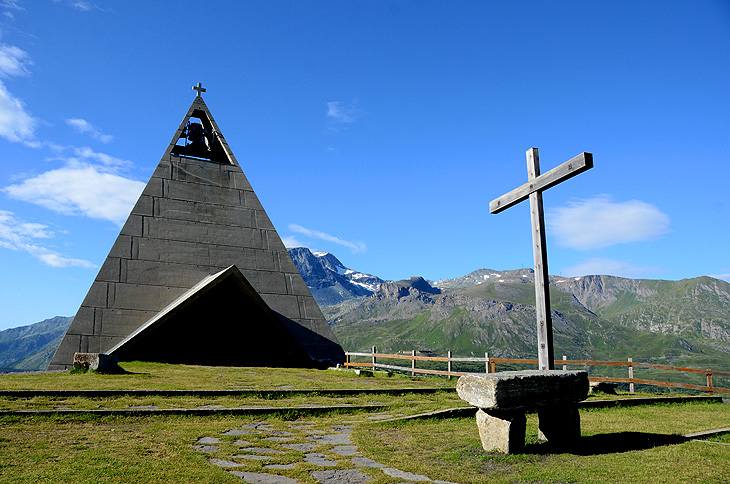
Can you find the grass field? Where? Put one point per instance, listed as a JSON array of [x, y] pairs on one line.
[[624, 444], [628, 445]]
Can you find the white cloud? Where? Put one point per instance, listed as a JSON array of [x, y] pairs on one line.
[[111, 162], [81, 189], [724, 277], [9, 6], [291, 242], [15, 123], [599, 222], [612, 267], [16, 234], [342, 113], [84, 127], [356, 247], [81, 5], [13, 61]]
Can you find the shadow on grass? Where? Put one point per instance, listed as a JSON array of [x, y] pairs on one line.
[[613, 443]]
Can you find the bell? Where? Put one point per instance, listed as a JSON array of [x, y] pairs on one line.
[[196, 136]]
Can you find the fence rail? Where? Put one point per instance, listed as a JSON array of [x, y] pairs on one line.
[[490, 367]]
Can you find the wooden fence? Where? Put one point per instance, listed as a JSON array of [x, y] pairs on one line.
[[491, 363]]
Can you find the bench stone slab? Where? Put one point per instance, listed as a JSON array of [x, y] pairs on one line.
[[529, 389]]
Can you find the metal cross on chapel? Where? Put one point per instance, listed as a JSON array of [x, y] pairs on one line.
[[533, 190], [199, 88]]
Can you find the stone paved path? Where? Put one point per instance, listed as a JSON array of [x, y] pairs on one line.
[[275, 451]]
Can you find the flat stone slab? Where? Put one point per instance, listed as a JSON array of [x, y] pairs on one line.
[[319, 459], [346, 476], [346, 450], [280, 466], [261, 450], [206, 448], [262, 478], [224, 463], [365, 462], [334, 439], [510, 390], [251, 456], [240, 432], [209, 440], [301, 447], [242, 443], [390, 471]]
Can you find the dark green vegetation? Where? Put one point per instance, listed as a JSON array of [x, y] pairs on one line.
[[681, 323], [31, 347]]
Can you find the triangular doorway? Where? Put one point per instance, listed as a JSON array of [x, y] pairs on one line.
[[197, 216], [224, 313]]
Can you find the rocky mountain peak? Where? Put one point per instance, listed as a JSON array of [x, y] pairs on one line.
[[329, 280], [413, 288]]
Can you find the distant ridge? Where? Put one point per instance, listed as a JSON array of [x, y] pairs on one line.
[[28, 348], [686, 322]]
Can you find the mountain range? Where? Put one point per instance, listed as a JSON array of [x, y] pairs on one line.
[[684, 322]]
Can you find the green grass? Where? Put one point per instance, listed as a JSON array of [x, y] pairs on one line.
[[631, 444], [156, 449], [161, 376]]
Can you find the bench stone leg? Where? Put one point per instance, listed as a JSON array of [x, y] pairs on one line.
[[559, 425], [503, 431]]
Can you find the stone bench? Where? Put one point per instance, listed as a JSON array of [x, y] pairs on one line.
[[504, 397]]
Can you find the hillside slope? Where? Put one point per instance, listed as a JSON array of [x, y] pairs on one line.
[[31, 347], [493, 311]]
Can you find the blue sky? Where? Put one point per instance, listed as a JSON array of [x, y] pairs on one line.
[[378, 131]]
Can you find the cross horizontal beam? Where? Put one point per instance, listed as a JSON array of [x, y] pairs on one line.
[[569, 169]]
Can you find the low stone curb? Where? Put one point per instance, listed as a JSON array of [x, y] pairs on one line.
[[459, 412], [456, 412], [133, 412], [706, 433], [630, 402], [283, 393]]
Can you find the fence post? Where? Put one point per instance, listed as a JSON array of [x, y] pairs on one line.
[[493, 365], [709, 381], [631, 376], [486, 362], [347, 360], [413, 362], [565, 367], [448, 367], [374, 358]]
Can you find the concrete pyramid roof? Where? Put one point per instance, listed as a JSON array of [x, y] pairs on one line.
[[197, 216]]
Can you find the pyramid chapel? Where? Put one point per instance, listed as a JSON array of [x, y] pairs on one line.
[[198, 273]]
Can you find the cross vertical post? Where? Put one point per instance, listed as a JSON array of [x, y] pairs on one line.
[[533, 189], [545, 353]]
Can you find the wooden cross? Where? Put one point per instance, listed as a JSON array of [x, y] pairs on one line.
[[533, 190], [199, 88]]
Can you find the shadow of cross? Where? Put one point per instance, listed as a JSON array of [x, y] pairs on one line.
[[533, 190]]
